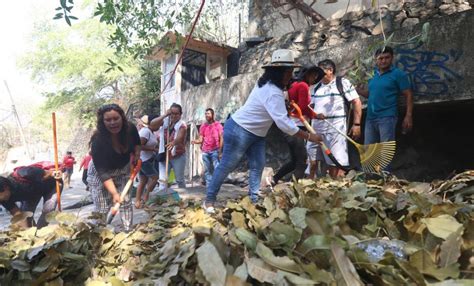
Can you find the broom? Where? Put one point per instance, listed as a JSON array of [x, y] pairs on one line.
[[298, 114], [373, 157]]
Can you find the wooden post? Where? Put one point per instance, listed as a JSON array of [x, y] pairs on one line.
[[56, 163]]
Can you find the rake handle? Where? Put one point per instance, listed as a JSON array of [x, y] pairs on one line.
[[340, 132], [115, 209], [335, 128], [298, 114]]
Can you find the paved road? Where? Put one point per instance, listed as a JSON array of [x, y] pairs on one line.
[[78, 192]]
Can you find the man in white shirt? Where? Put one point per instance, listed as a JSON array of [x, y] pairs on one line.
[[149, 173], [329, 97]]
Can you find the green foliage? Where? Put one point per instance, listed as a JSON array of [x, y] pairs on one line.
[[78, 69], [139, 25], [66, 7], [363, 68]]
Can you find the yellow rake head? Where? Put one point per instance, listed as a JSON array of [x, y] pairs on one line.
[[375, 157]]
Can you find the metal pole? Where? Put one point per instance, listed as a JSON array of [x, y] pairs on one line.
[[18, 122], [240, 27]]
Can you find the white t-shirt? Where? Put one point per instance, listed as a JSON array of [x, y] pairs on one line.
[[264, 106], [162, 129], [147, 134], [328, 101]]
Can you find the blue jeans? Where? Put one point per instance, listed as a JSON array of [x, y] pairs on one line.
[[380, 129], [178, 165], [237, 143], [211, 161]]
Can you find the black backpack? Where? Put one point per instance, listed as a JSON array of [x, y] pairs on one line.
[[340, 88], [354, 162]]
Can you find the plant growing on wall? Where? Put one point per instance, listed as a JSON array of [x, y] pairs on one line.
[[363, 66]]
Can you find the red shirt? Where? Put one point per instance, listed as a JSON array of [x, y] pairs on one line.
[[85, 161], [299, 93], [68, 161], [211, 134]]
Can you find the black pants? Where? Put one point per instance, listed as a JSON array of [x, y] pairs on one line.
[[47, 191], [298, 156], [84, 176]]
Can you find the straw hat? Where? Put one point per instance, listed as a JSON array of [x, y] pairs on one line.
[[282, 58], [144, 120]]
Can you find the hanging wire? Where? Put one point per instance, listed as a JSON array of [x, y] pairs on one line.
[[184, 47]]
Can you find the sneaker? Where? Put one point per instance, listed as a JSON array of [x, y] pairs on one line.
[[270, 182], [208, 210]]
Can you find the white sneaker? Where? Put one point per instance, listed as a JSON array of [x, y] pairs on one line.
[[270, 182], [208, 210]]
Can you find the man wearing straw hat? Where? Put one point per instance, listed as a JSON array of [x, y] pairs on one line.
[[245, 130]]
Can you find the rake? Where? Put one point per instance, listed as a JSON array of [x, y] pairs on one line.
[[373, 157], [298, 114]]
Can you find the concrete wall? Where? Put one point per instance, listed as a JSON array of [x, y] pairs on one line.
[[441, 70], [270, 18]]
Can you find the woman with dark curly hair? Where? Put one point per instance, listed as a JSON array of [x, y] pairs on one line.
[[113, 145]]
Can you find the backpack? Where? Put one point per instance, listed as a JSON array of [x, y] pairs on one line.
[[44, 165], [352, 152], [340, 88]]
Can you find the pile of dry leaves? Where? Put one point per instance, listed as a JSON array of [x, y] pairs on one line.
[[352, 232]]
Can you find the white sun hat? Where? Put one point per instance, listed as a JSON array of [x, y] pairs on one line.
[[282, 58]]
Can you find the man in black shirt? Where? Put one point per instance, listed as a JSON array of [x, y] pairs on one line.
[[28, 185]]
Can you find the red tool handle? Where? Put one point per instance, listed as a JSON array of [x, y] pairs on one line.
[[114, 210], [298, 114]]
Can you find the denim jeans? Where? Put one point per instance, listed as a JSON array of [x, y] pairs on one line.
[[380, 129], [237, 143], [211, 161], [178, 165], [298, 156]]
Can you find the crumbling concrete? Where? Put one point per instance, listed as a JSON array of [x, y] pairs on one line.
[[278, 18], [440, 69]]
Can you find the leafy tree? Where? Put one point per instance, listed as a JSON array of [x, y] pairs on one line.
[[77, 67], [139, 25]]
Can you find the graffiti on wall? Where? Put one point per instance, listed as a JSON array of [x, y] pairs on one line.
[[429, 70]]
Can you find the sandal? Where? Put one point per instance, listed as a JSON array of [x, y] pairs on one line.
[[138, 204]]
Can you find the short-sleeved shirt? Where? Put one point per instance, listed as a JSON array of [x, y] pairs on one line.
[[106, 159], [329, 101], [85, 161], [299, 93], [68, 161], [384, 90], [151, 141], [180, 147], [211, 134]]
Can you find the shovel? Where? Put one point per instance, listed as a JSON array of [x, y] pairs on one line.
[[298, 114], [115, 209]]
